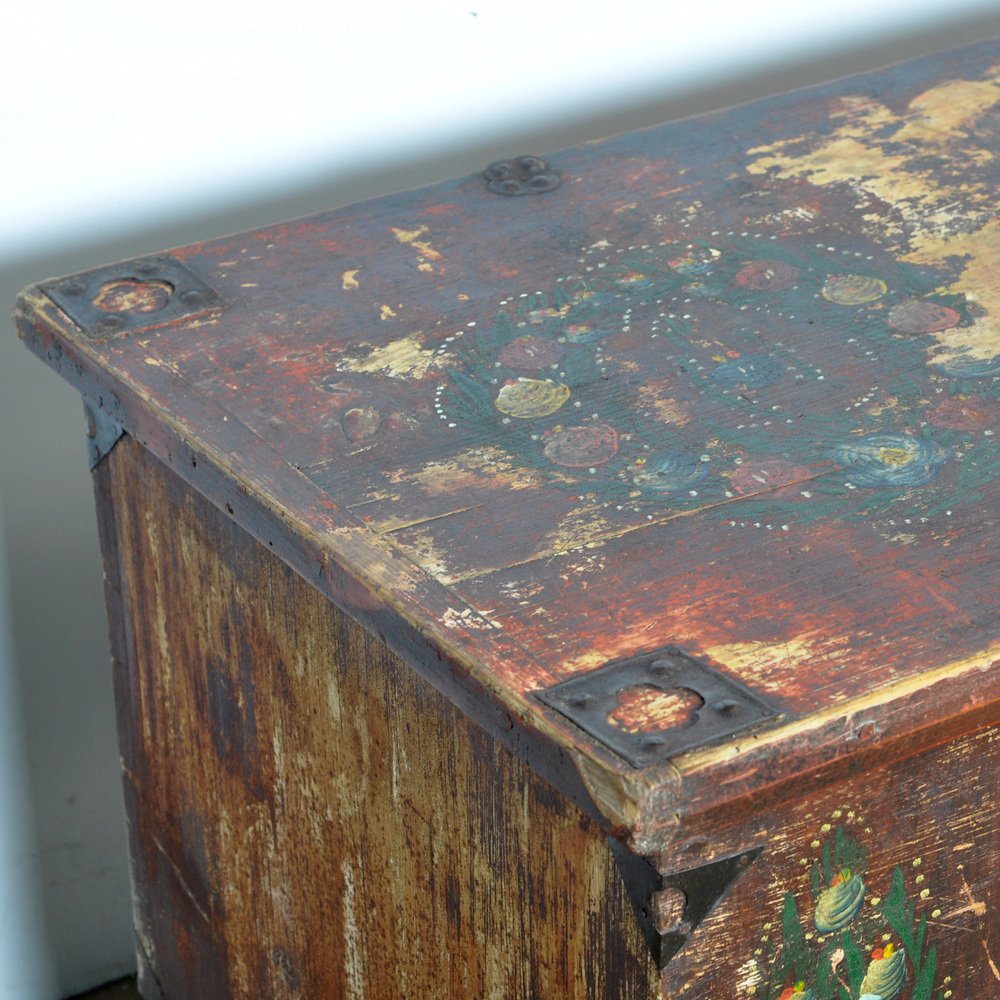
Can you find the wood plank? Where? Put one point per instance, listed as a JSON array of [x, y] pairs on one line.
[[310, 818], [781, 315]]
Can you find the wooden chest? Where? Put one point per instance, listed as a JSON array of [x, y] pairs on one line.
[[574, 580]]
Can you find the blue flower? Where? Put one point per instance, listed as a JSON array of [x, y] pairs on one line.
[[755, 371], [890, 460], [669, 472], [966, 367]]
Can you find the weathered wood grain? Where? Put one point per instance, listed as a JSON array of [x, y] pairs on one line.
[[935, 817], [734, 385], [308, 818]]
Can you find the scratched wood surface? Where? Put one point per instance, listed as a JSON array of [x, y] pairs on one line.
[[308, 818], [849, 869], [734, 385]]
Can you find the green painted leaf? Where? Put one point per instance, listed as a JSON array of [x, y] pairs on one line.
[[855, 961], [924, 980], [796, 959]]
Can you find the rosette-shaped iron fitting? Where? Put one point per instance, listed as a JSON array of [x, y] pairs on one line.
[[839, 904], [886, 975]]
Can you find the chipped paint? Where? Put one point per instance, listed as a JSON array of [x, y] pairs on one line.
[[406, 358], [349, 279], [409, 235], [755, 662], [580, 529], [850, 708], [467, 619], [484, 468], [427, 255], [934, 215], [386, 312]]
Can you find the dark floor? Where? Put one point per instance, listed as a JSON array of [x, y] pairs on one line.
[[123, 989]]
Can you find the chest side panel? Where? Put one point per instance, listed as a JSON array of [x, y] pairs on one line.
[[885, 884], [308, 817]]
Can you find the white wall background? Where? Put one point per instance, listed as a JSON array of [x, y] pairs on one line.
[[130, 127]]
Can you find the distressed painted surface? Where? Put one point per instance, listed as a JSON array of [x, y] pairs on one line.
[[899, 860], [735, 385], [310, 819]]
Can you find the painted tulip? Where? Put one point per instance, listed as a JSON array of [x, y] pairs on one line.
[[840, 903], [886, 975]]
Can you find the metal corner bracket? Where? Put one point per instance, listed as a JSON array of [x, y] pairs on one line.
[[726, 706], [102, 434], [117, 299], [693, 894]]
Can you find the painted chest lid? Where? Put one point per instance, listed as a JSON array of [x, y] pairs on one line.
[[729, 386]]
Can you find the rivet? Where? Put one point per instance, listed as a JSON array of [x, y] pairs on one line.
[[521, 175], [192, 298]]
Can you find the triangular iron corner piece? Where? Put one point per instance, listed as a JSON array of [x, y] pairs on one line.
[[703, 888]]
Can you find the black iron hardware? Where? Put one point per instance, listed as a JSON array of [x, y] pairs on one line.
[[692, 895], [726, 706], [521, 175], [110, 301]]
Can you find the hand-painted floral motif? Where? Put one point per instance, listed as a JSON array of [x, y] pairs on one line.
[[767, 275], [668, 472], [530, 397], [964, 413], [853, 289], [755, 371], [839, 903], [969, 367], [530, 354], [776, 476], [797, 992], [866, 946], [886, 975], [581, 447], [915, 316], [893, 460], [593, 383]]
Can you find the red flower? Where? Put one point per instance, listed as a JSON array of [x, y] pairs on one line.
[[964, 414]]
